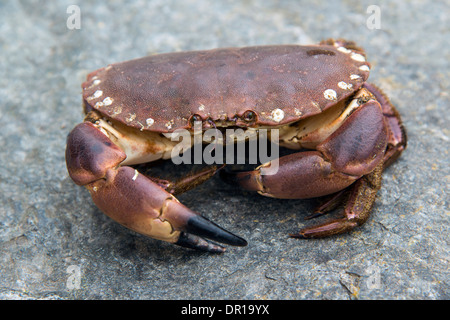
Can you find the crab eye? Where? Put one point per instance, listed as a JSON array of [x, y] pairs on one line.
[[249, 116], [194, 118]]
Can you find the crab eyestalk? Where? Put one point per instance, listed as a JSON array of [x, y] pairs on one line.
[[132, 199]]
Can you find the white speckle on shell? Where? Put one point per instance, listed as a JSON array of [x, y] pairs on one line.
[[117, 110], [298, 113], [355, 76], [131, 117], [107, 101], [98, 105], [97, 94], [149, 122], [277, 115], [93, 84], [315, 104], [169, 124], [344, 50], [358, 57], [330, 94], [345, 85], [201, 107], [364, 68]]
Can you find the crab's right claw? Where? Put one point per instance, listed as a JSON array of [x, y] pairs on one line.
[[132, 199]]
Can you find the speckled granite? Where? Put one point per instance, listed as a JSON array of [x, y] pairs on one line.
[[51, 233]]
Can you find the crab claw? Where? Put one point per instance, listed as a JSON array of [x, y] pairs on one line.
[[350, 159], [132, 199], [136, 202]]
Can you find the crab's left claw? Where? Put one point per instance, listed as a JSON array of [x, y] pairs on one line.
[[132, 199], [138, 203]]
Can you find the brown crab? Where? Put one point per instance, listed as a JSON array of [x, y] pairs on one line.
[[347, 132]]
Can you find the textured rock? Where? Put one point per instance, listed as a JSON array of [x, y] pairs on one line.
[[50, 230]]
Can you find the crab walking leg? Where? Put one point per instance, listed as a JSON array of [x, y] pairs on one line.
[[132, 199], [353, 151], [356, 211], [331, 203], [188, 182]]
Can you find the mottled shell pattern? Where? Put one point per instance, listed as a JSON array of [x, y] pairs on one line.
[[252, 86]]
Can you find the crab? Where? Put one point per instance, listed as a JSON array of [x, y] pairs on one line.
[[344, 132]]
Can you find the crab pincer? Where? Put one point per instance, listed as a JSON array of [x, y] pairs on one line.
[[132, 199]]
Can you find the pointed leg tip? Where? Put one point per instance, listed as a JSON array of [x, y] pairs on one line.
[[298, 236], [313, 215]]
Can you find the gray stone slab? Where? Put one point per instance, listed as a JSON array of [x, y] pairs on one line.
[[49, 227]]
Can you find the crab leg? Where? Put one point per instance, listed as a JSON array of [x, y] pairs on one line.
[[188, 182], [132, 199], [353, 154], [331, 203], [356, 211]]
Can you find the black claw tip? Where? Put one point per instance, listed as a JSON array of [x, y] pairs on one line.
[[202, 227], [194, 242]]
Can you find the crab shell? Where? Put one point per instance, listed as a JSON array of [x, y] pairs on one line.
[[278, 84]]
